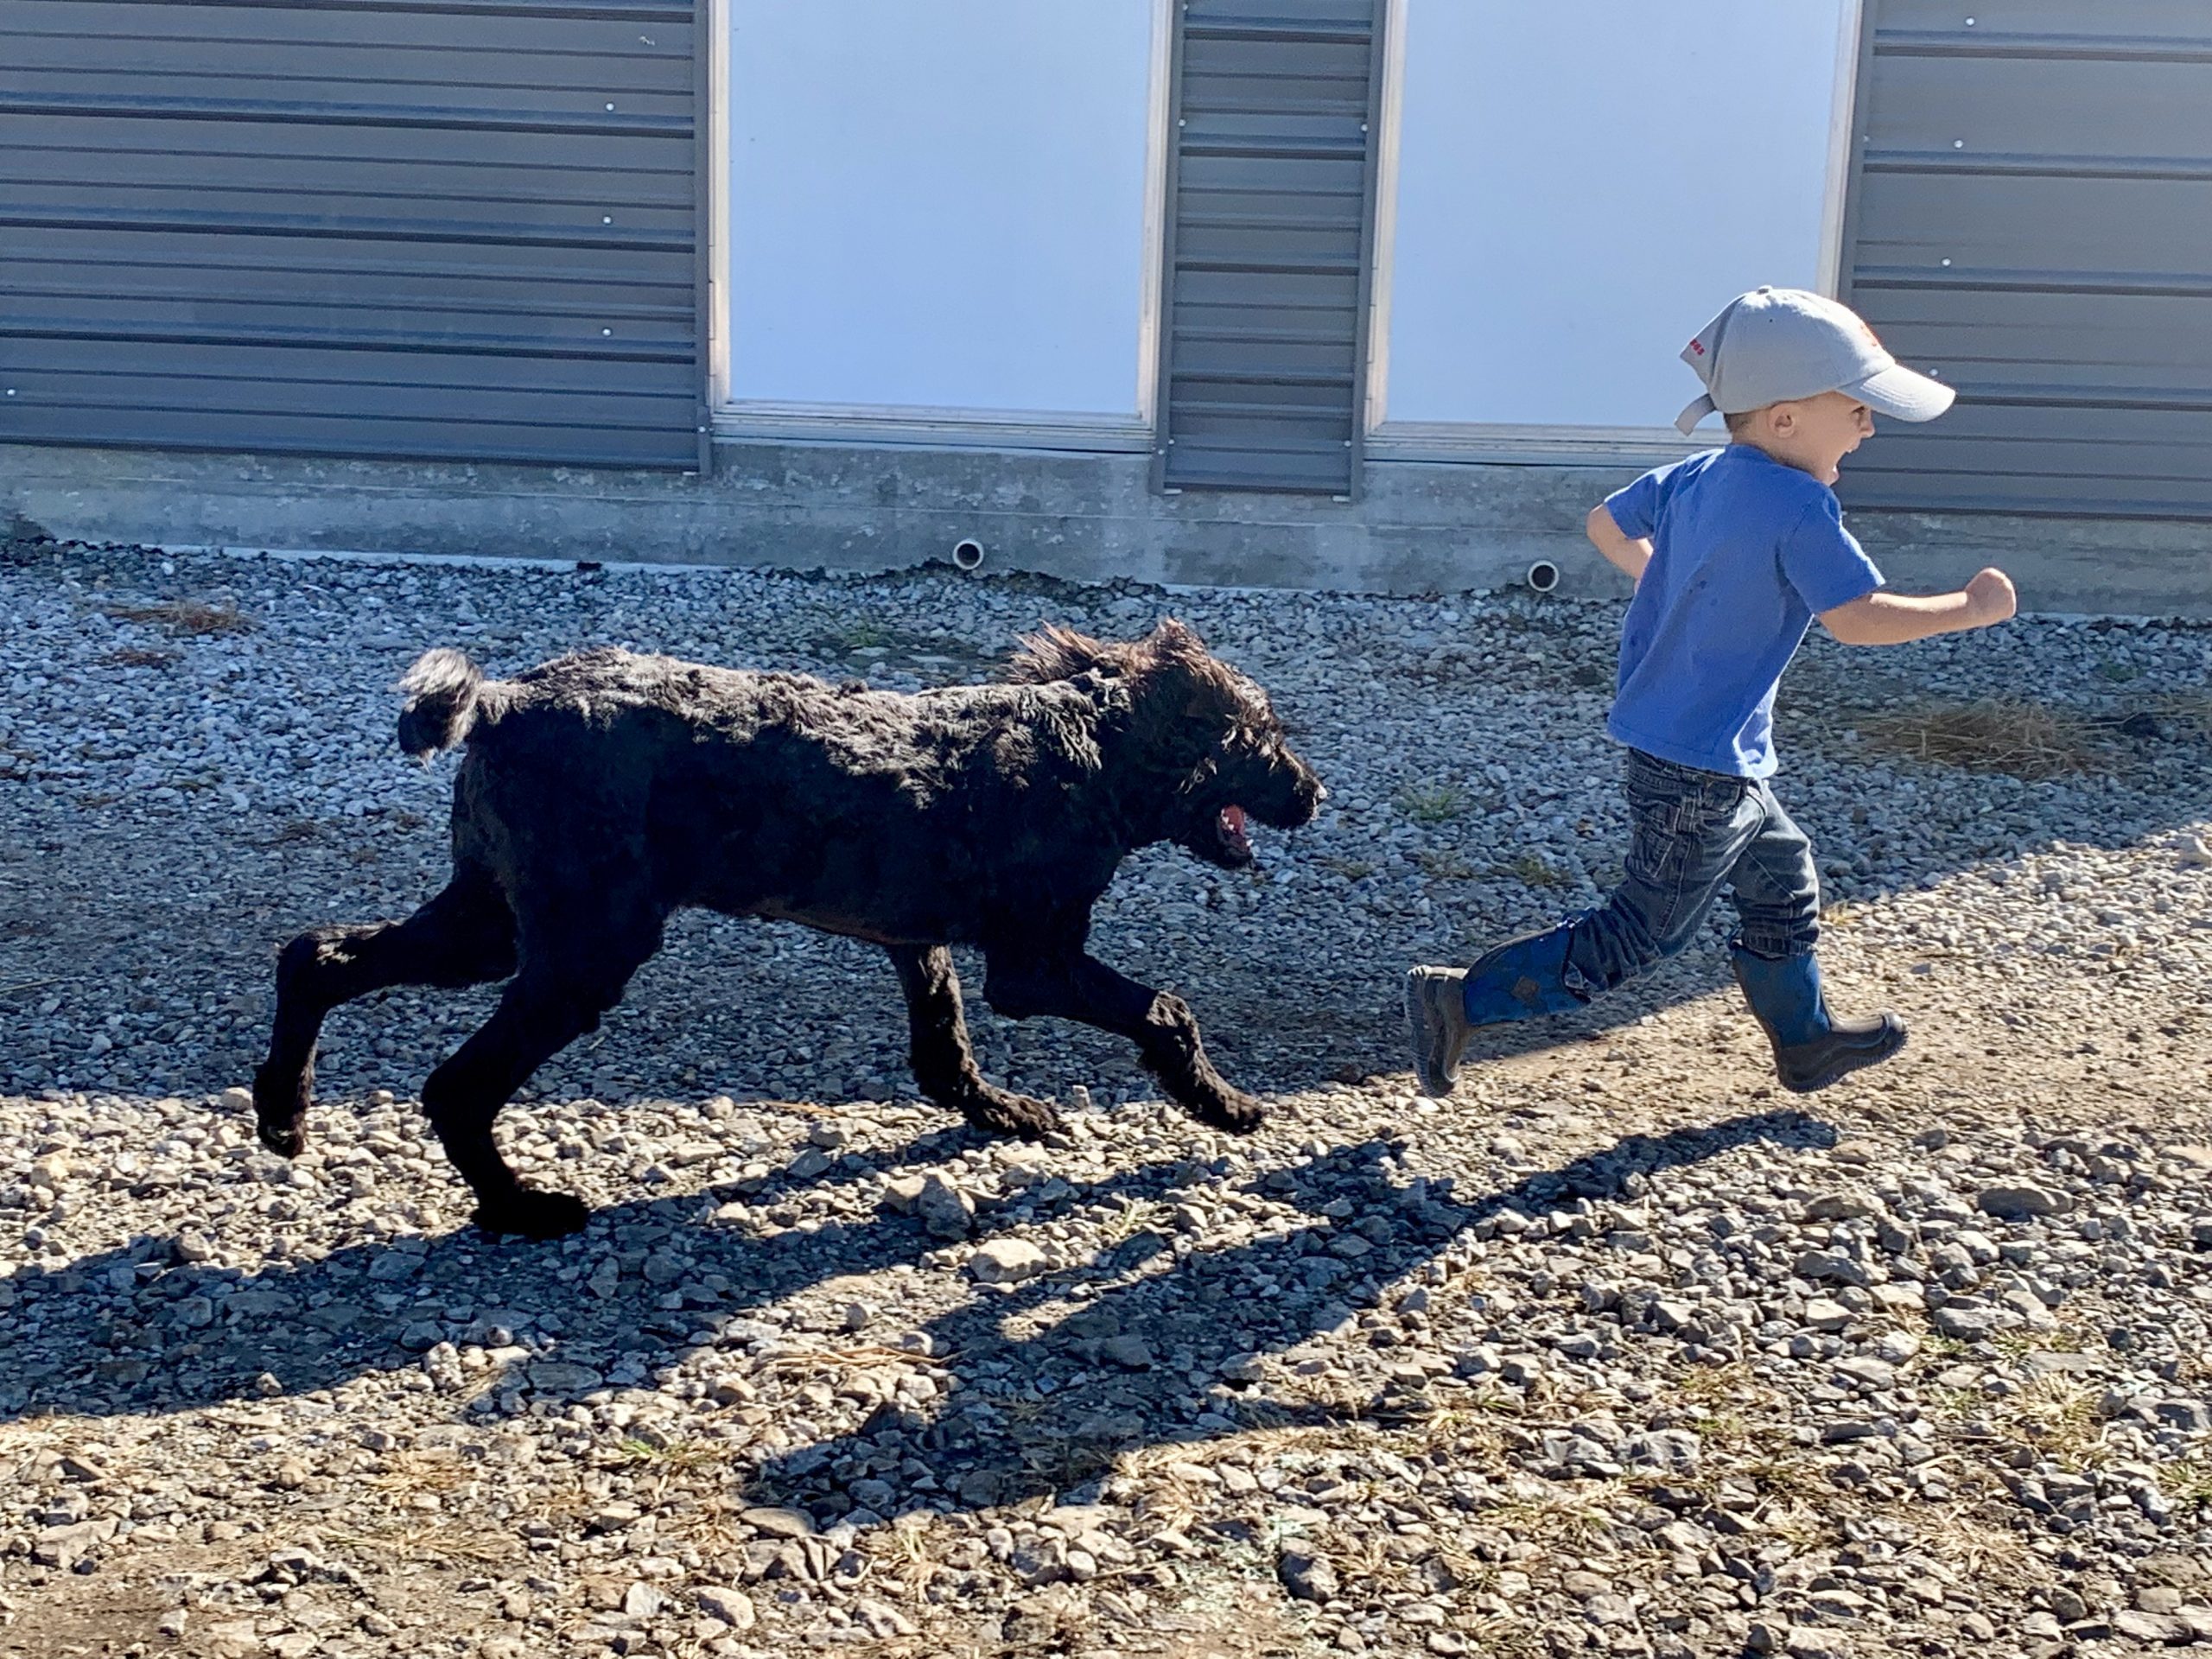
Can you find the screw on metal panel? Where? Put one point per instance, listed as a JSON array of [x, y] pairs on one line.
[[606, 331], [608, 220], [1958, 144], [610, 106], [1947, 262]]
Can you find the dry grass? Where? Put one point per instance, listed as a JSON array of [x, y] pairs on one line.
[[1531, 871], [2026, 740], [140, 656], [187, 617], [2184, 714]]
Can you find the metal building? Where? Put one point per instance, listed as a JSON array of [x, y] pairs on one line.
[[2032, 218], [461, 230], [1408, 276]]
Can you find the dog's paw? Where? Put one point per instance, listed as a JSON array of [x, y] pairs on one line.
[[999, 1113], [1227, 1109], [280, 1109], [533, 1214], [285, 1139]]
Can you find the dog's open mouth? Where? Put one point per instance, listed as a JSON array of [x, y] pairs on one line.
[[1234, 837]]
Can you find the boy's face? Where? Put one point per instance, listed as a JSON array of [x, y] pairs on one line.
[[1813, 434]]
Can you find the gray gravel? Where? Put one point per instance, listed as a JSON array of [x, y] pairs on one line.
[[1620, 1351]]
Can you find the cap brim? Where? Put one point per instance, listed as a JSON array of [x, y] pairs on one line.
[[1903, 395], [1685, 423]]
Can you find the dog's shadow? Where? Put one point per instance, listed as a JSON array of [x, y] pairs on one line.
[[1030, 1415]]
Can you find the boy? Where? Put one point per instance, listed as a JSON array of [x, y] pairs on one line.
[[1733, 553]]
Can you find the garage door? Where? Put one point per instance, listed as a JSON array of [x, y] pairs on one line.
[[2031, 219], [446, 229]]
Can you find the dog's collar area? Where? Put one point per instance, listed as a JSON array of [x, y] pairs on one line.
[[1231, 822]]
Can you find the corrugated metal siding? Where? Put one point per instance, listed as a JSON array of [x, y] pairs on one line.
[[441, 229], [2032, 218], [1271, 200]]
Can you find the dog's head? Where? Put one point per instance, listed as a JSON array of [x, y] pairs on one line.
[[1202, 753]]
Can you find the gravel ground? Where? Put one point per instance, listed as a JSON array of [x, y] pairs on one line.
[[1619, 1352]]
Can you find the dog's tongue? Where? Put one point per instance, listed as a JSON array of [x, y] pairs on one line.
[[1232, 819]]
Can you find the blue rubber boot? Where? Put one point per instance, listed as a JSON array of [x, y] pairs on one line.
[[1812, 1048], [1446, 1005]]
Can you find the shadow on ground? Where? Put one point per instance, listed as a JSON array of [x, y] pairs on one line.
[[139, 1330]]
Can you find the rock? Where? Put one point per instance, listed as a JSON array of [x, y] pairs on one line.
[[1671, 1451], [642, 1600], [778, 1523], [733, 1607], [558, 1376], [944, 1209], [1811, 1641], [1877, 1374], [2022, 1202], [1822, 1314], [1006, 1261], [2154, 1628], [1829, 1267], [1307, 1575], [881, 1619], [1131, 1353], [1849, 1206], [902, 1193], [1966, 1324], [236, 1100]]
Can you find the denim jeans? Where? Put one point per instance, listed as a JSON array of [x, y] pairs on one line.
[[1694, 833]]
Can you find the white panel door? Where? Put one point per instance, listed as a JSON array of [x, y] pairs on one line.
[[1580, 185], [938, 205]]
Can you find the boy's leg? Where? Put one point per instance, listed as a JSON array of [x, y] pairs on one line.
[[1690, 829], [1777, 893]]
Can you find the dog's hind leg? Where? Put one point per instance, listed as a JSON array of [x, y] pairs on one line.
[[566, 983], [465, 936], [945, 1064], [1160, 1024]]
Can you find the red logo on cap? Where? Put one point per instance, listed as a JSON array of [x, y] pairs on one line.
[[1698, 346]]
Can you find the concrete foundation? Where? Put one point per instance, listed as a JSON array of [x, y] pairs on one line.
[[1420, 527]]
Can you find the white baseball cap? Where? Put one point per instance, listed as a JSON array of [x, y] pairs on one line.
[[1776, 345]]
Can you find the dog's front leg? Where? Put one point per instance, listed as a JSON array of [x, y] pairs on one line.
[[1160, 1024], [944, 1062]]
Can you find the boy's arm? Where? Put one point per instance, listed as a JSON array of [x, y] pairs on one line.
[[1626, 553], [1883, 618]]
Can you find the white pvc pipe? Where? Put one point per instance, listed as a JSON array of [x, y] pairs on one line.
[[967, 554]]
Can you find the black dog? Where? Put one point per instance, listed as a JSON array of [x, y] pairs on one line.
[[602, 791]]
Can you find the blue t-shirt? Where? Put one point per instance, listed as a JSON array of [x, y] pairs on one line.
[[1745, 551]]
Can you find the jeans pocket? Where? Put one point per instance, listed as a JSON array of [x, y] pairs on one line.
[[1682, 800], [1706, 802]]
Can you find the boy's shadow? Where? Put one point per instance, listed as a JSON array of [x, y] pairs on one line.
[[1049, 1413]]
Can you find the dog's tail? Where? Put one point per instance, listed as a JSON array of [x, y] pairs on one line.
[[441, 703]]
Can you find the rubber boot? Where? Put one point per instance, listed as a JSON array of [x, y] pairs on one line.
[[1812, 1048], [1445, 1006]]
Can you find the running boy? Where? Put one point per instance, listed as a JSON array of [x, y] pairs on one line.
[[1733, 553]]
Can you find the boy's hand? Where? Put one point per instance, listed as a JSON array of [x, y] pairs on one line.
[[1989, 598]]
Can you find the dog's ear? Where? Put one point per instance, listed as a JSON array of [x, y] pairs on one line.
[[1173, 638], [1057, 653]]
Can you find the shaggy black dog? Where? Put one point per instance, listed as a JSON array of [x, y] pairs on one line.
[[602, 791]]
